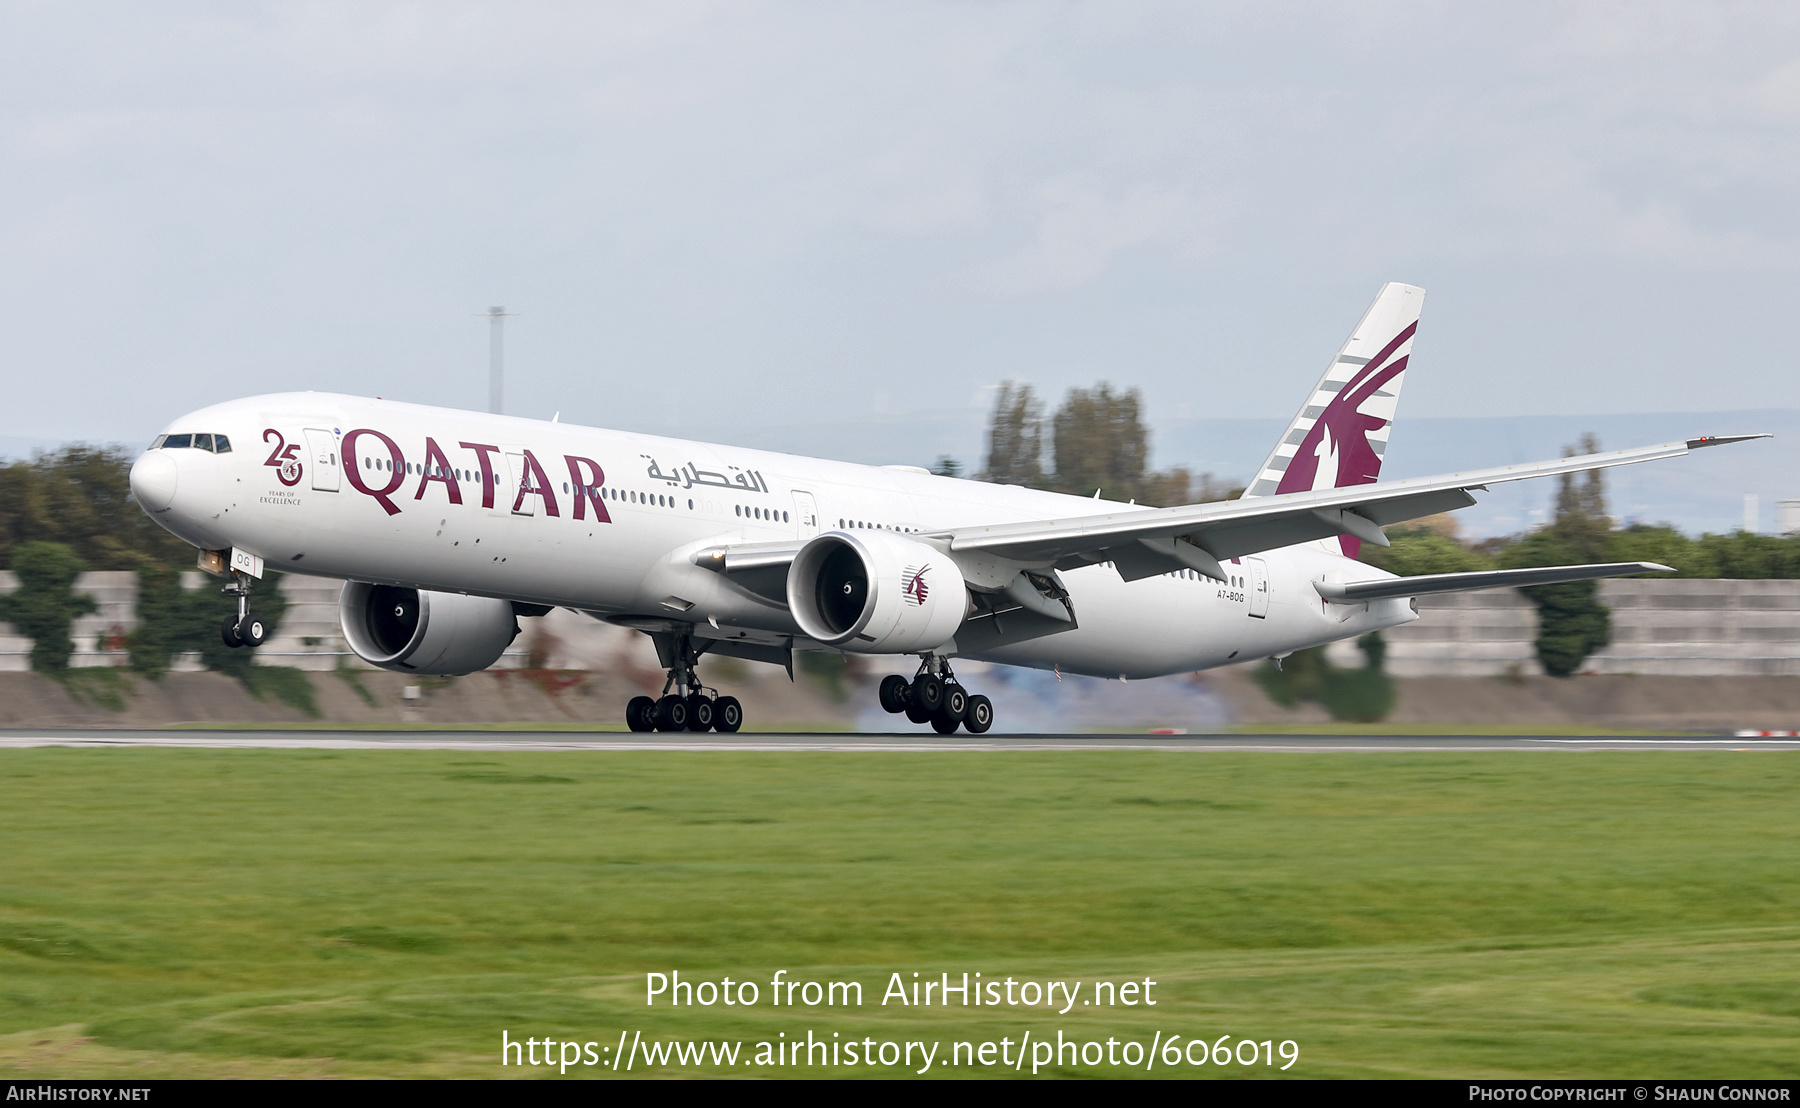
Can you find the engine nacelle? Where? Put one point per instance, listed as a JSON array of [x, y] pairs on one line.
[[427, 633], [875, 592]]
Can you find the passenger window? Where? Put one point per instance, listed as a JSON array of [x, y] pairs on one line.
[[221, 444], [178, 442]]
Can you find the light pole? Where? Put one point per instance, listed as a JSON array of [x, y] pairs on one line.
[[496, 356]]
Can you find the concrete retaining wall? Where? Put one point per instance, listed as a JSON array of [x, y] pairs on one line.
[[1669, 628], [1687, 628]]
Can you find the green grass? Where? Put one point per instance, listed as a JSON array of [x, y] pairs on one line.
[[274, 913]]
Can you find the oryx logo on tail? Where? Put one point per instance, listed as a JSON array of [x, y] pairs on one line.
[[1339, 436]]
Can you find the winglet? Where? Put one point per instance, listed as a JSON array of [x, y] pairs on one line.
[[1721, 440]]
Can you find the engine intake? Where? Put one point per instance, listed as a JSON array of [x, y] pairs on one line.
[[876, 593], [426, 633]]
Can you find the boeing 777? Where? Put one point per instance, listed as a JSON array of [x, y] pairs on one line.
[[447, 525]]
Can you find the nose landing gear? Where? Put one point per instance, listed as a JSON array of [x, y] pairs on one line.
[[242, 629], [935, 696], [690, 706]]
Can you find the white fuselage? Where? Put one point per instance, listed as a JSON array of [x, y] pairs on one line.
[[425, 497]]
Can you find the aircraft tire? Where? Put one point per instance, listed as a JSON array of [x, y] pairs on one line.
[[700, 713], [980, 715], [252, 631], [927, 692], [956, 702], [640, 714], [944, 723], [671, 713], [229, 632], [893, 693], [917, 713], [728, 714]]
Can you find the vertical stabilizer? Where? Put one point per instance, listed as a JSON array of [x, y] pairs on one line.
[[1340, 434]]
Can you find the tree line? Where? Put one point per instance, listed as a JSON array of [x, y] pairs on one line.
[[1097, 444]]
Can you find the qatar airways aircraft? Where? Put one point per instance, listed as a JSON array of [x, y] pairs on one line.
[[446, 525]]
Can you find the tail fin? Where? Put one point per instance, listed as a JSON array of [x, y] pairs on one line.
[[1340, 434]]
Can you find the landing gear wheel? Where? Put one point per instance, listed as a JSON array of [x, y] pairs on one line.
[[229, 632], [672, 714], [251, 631], [944, 723], [728, 714], [640, 714], [893, 693], [979, 716], [700, 713], [928, 692], [956, 702], [917, 712]]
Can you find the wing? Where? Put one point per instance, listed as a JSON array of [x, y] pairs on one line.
[[1146, 542]]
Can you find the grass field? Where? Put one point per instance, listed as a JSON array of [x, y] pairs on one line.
[[293, 913]]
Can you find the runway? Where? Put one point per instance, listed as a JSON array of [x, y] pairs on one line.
[[620, 741]]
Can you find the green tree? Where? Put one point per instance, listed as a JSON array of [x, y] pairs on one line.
[[173, 620], [1016, 438], [81, 496], [1099, 443], [44, 607], [1360, 694], [1581, 520], [1747, 555], [1663, 544], [1417, 550], [1572, 623]]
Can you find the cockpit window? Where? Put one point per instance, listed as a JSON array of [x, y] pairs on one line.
[[218, 444]]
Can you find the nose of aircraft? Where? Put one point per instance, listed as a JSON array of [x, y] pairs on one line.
[[153, 479]]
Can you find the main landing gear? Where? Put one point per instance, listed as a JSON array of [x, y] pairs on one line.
[[242, 629], [689, 707], [935, 696]]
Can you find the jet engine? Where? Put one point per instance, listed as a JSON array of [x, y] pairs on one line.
[[876, 592], [427, 633]]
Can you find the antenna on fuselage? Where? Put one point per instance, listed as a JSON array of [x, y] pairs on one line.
[[496, 356]]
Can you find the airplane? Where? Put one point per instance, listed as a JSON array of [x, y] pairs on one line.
[[447, 525]]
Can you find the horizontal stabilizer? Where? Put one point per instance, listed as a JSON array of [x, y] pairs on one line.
[[1390, 587], [1721, 440]]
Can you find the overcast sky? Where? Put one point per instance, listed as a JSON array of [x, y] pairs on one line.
[[709, 214]]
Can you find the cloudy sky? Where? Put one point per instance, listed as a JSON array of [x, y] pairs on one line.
[[711, 215]]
